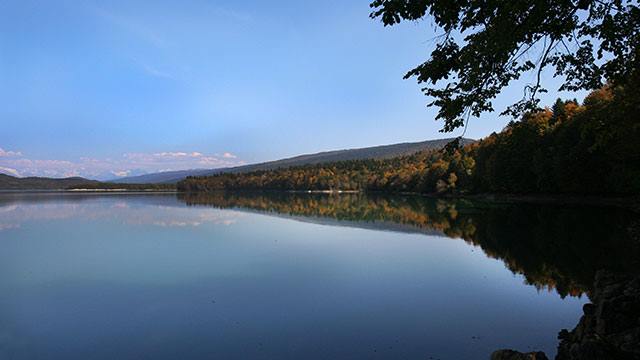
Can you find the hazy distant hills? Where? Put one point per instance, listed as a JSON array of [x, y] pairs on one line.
[[8, 182], [376, 152], [165, 177]]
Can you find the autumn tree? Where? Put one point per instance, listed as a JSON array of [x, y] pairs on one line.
[[483, 45]]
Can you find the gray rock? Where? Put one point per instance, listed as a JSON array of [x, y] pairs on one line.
[[610, 326]]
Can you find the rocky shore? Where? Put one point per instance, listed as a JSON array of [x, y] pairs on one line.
[[610, 326], [608, 330]]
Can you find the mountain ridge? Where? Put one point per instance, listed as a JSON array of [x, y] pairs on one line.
[[8, 182], [372, 152]]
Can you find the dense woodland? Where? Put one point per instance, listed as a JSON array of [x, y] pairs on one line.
[[569, 148], [8, 182]]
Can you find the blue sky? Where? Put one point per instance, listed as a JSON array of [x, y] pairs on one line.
[[109, 88]]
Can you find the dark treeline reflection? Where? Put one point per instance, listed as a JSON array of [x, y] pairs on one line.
[[554, 246]]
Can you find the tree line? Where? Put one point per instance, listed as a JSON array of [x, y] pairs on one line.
[[569, 148]]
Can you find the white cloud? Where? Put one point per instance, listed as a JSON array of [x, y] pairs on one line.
[[129, 164], [152, 71], [8, 153], [9, 171], [122, 173], [177, 154]]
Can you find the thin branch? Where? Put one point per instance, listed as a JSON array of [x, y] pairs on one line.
[[541, 67]]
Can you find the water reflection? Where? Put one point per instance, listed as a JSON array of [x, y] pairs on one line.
[[555, 247], [113, 276], [156, 210]]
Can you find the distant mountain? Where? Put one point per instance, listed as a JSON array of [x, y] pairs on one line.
[[8, 182], [376, 152], [165, 177]]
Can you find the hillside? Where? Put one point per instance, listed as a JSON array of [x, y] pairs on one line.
[[588, 149], [375, 152], [8, 182]]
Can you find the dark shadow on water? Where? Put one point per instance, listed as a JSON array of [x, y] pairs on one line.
[[557, 247]]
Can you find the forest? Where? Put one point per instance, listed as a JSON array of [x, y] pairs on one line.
[[569, 148]]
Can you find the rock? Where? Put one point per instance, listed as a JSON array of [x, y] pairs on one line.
[[610, 326], [508, 354], [589, 309], [563, 334]]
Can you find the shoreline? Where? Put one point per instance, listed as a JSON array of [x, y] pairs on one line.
[[628, 201], [564, 199]]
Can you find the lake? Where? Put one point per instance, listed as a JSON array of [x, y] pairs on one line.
[[294, 276]]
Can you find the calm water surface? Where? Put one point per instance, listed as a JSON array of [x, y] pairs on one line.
[[291, 276]]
